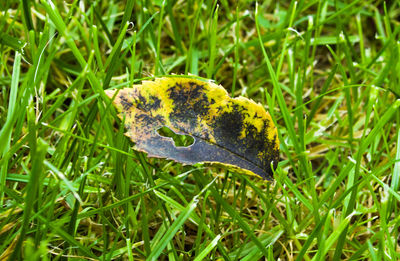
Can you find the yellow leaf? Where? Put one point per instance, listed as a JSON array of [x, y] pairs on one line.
[[235, 132]]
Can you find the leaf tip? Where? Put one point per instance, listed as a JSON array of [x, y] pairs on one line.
[[110, 93]]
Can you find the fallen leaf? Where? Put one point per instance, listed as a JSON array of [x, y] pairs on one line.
[[235, 132]]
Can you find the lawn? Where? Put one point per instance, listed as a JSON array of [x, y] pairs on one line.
[[72, 186]]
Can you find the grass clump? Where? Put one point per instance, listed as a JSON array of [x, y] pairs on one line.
[[71, 185]]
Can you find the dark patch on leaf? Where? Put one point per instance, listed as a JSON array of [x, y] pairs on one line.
[[227, 128], [152, 103], [125, 102]]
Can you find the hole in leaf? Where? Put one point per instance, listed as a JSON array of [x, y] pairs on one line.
[[179, 140]]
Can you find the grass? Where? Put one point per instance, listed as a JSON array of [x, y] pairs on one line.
[[71, 186]]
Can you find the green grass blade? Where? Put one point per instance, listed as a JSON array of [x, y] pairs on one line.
[[6, 130], [208, 249], [178, 223], [31, 193], [158, 58], [213, 30]]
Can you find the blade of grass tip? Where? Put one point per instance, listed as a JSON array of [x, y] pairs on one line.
[[213, 41], [11, 41], [373, 60], [26, 89], [31, 193], [128, 12], [178, 223], [208, 249], [6, 130], [32, 46], [361, 37], [5, 133], [158, 58], [194, 61], [133, 43]]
